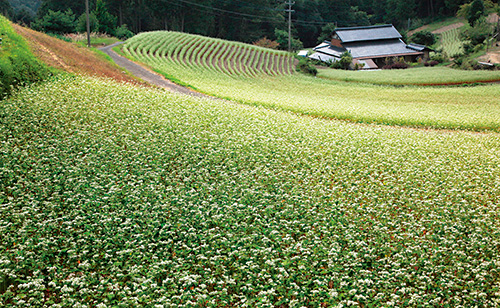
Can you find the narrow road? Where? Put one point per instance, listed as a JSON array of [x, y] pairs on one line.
[[145, 74]]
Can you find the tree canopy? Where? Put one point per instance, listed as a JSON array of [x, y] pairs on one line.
[[6, 8], [251, 20]]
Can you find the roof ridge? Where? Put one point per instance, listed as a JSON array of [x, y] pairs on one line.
[[365, 27]]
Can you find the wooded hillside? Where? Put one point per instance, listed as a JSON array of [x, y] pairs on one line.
[[250, 20]]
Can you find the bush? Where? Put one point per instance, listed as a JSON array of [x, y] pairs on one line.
[[396, 65], [18, 65], [438, 57], [306, 67], [344, 63], [123, 33], [266, 43], [478, 33], [424, 38]]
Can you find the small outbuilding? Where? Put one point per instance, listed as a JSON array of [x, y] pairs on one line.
[[372, 46]]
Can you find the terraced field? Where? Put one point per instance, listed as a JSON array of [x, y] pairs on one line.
[[203, 64], [169, 50], [451, 42]]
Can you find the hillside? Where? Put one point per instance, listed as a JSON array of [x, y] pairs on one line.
[[208, 54], [118, 195], [71, 58], [18, 66], [29, 5]]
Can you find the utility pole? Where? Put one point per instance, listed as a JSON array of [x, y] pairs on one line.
[[290, 11], [88, 22]]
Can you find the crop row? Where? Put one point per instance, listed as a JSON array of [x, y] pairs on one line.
[[451, 42], [116, 196], [203, 53]]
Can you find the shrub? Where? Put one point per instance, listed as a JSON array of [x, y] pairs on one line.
[[344, 63], [266, 43], [282, 39], [123, 33], [306, 67], [424, 38], [478, 33], [438, 57], [396, 65]]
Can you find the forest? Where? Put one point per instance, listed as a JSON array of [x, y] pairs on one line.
[[248, 20]]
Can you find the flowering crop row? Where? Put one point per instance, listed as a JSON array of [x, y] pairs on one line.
[[194, 52], [116, 196], [438, 75], [470, 108]]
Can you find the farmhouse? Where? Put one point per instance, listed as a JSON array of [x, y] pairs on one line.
[[371, 46]]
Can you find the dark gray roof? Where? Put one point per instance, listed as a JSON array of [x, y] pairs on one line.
[[323, 57], [322, 45], [330, 50], [418, 47], [376, 49], [370, 33]]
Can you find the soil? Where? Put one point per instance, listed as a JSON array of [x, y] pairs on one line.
[[71, 58], [493, 55]]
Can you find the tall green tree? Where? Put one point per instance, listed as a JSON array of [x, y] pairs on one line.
[[56, 22], [477, 10], [6, 9], [106, 23], [76, 6]]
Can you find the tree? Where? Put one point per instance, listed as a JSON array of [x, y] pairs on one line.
[[81, 23], [476, 11], [326, 32], [282, 39], [6, 9], [479, 33], [56, 22], [106, 21], [424, 38]]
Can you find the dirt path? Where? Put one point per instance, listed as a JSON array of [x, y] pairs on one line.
[[147, 75], [438, 31]]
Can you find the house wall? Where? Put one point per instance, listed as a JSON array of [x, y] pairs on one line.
[[337, 43]]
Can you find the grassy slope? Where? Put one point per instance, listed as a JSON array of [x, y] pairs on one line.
[[18, 66], [125, 196]]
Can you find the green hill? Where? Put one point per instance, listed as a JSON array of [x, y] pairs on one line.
[[18, 65]]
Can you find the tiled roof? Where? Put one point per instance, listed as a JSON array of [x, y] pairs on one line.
[[330, 50], [323, 57], [370, 33], [376, 49]]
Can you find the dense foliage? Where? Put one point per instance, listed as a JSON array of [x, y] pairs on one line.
[[114, 196], [250, 20], [17, 64], [424, 37], [6, 8], [56, 22]]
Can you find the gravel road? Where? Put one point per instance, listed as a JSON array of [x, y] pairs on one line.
[[145, 74]]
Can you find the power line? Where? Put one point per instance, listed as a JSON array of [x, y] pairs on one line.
[[259, 18]]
